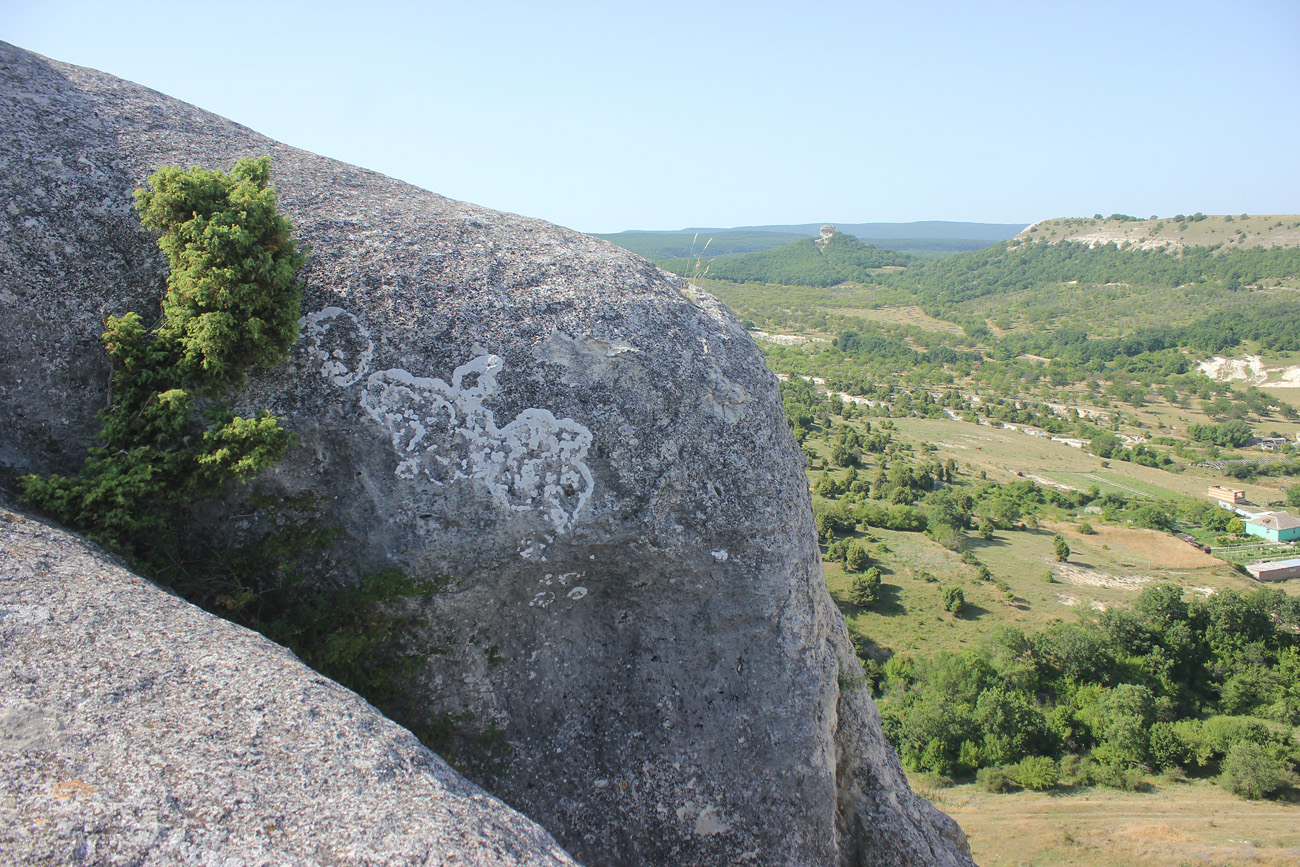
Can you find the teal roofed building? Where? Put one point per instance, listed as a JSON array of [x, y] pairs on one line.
[[1274, 526]]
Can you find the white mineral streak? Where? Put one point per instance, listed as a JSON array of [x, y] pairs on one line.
[[444, 433]]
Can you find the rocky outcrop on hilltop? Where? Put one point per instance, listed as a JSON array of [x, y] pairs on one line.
[[590, 448], [136, 729]]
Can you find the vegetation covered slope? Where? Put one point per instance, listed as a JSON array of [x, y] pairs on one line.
[[1181, 230]]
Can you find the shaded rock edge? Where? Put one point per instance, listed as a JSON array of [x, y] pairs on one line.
[[137, 729], [593, 449]]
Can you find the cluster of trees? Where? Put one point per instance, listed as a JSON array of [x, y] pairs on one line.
[[1210, 685], [924, 496], [1233, 432]]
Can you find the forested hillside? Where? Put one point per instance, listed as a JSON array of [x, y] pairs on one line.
[[808, 262], [1018, 265]]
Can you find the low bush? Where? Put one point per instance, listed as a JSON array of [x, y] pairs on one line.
[[1251, 771]]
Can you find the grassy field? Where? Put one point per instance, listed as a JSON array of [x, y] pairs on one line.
[[1001, 452], [1106, 568], [1108, 481], [1185, 824], [905, 314]]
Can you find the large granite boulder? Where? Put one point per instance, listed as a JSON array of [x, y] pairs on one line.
[[136, 729], [591, 448]]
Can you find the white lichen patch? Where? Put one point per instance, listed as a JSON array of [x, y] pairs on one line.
[[707, 822], [341, 344], [444, 432], [710, 822]]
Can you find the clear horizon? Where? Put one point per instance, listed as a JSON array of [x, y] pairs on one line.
[[612, 117]]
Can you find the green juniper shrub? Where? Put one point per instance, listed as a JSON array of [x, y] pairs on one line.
[[995, 780], [231, 304], [856, 558], [864, 591], [1061, 548], [837, 551], [168, 441]]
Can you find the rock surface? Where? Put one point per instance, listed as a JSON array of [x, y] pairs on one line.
[[136, 729], [591, 448]]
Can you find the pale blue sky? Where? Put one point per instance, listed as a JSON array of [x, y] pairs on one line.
[[610, 116]]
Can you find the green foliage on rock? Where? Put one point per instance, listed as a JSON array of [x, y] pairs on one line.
[[231, 300], [231, 304]]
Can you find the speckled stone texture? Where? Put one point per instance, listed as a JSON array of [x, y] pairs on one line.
[[591, 448], [136, 729]]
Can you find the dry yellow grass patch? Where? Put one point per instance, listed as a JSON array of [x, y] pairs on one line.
[[1193, 823], [1159, 550]]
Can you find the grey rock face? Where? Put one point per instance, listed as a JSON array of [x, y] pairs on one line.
[[593, 449], [136, 729]]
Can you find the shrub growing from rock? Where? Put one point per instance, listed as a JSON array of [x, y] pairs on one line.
[[231, 304]]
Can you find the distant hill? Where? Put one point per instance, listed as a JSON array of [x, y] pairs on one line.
[[661, 246], [928, 238], [806, 262], [1171, 233], [990, 232]]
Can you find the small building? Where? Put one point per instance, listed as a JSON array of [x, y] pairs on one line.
[[1226, 495], [1271, 444], [1278, 570], [1274, 526]]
